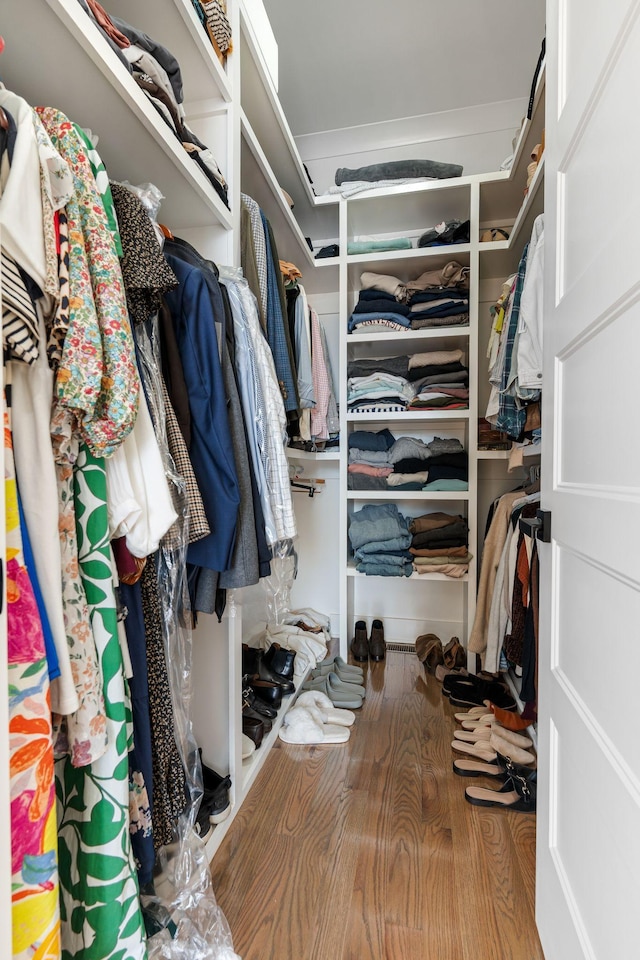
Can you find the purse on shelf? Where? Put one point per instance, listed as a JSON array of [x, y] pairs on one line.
[[218, 26]]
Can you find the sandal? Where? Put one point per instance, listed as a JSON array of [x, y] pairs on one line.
[[500, 767], [471, 714], [517, 793], [489, 751]]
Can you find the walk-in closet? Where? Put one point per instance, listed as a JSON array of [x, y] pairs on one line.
[[318, 582]]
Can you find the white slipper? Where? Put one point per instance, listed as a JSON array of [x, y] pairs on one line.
[[304, 725], [248, 747], [330, 714]]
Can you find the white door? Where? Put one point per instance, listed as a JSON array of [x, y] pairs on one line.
[[588, 878]]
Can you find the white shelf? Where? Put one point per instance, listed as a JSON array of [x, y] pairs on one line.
[[317, 457], [499, 200], [411, 416], [175, 24], [526, 126], [448, 251], [407, 495], [265, 167], [430, 577], [264, 111], [396, 336], [527, 204], [250, 770], [135, 143], [493, 454]]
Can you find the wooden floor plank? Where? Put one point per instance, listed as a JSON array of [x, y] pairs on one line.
[[369, 850]]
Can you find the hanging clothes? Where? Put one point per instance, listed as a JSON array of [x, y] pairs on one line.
[[34, 869], [94, 844]]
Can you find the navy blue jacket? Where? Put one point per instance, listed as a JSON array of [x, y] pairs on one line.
[[211, 450]]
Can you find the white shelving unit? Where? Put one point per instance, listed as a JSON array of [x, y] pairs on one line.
[[389, 213]]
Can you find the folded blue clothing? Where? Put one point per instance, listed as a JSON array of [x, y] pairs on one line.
[[371, 306], [372, 440], [377, 295], [377, 522], [375, 246], [396, 545], [453, 485], [449, 311], [357, 318], [392, 559], [385, 569], [437, 293]]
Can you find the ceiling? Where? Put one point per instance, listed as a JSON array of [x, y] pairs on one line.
[[349, 62]]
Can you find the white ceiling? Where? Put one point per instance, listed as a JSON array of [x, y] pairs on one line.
[[349, 62]]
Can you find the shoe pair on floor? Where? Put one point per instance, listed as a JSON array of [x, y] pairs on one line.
[[368, 648], [500, 753], [341, 682], [314, 720]]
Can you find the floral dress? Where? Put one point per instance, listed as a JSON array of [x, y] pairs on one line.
[[34, 869], [100, 907]]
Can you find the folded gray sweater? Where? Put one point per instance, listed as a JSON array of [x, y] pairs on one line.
[[399, 169]]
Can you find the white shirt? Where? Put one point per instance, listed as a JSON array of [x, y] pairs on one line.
[[138, 498], [529, 345]]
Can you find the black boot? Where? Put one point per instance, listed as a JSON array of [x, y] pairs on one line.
[[253, 663]]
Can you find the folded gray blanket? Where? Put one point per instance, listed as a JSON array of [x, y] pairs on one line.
[[399, 169]]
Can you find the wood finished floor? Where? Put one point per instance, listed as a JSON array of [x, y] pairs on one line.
[[369, 851]]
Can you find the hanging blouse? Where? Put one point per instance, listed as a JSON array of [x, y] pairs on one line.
[[97, 377], [145, 271]]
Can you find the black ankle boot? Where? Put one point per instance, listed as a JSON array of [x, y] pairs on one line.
[[253, 664], [280, 661]]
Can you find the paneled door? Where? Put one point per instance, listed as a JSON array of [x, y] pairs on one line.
[[588, 876]]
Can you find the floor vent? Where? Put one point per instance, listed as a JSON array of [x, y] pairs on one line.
[[402, 647]]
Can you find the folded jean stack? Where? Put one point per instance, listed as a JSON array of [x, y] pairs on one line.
[[437, 298], [380, 540], [425, 381], [440, 544], [378, 461]]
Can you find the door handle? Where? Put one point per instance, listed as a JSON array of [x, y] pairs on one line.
[[538, 527]]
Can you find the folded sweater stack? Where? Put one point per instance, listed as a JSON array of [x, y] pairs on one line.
[[437, 298], [380, 540], [424, 381], [440, 381], [378, 462], [440, 544]]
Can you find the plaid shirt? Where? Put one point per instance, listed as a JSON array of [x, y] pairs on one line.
[[511, 416], [260, 247]]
